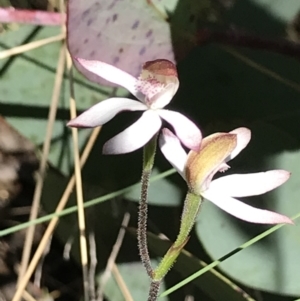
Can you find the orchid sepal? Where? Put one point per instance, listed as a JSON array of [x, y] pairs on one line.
[[243, 211], [112, 74], [104, 111]]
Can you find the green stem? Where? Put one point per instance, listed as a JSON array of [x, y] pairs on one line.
[[148, 161], [190, 210]]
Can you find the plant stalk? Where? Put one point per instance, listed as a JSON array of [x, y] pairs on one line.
[[191, 207], [148, 161]]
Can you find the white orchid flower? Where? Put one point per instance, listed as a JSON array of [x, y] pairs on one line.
[[154, 89], [198, 169]]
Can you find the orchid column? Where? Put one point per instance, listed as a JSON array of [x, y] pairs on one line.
[[154, 89]]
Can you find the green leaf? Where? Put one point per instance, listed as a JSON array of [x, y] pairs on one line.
[[125, 34], [271, 264], [128, 33]]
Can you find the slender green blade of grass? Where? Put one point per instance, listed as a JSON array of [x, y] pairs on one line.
[[86, 205], [226, 256]]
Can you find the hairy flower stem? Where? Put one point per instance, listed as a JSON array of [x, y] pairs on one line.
[[190, 210], [148, 161], [154, 290]]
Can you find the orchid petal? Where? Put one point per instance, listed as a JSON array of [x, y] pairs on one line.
[[241, 185], [244, 211], [135, 136], [173, 151], [243, 138], [187, 132], [113, 75], [104, 111]]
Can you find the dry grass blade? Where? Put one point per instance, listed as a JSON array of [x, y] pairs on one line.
[[39, 270], [26, 274], [61, 205], [43, 163], [36, 44], [111, 262], [19, 211], [79, 194], [28, 297], [121, 283]]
